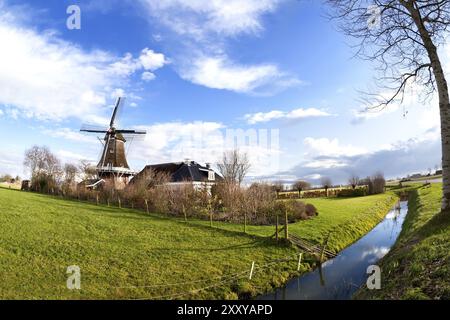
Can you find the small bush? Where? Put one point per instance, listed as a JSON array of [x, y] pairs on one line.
[[311, 211], [296, 211], [358, 192]]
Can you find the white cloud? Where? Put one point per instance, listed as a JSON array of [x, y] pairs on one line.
[[70, 157], [118, 92], [151, 60], [362, 115], [291, 115], [220, 73], [376, 253], [198, 18], [315, 176], [57, 79], [11, 162], [325, 164], [330, 148], [70, 134], [148, 76]]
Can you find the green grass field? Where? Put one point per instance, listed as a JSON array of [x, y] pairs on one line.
[[125, 254], [418, 267]]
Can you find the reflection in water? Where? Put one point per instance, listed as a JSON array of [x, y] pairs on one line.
[[340, 278], [322, 279]]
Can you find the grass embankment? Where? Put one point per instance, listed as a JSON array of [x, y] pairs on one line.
[[347, 218], [116, 249], [418, 267]]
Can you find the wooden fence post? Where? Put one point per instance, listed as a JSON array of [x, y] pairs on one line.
[[120, 202], [107, 201], [245, 222], [210, 219], [96, 198], [299, 261], [184, 213], [251, 270], [146, 205], [286, 231], [322, 253], [276, 229]]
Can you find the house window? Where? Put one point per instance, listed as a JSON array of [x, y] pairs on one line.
[[211, 176]]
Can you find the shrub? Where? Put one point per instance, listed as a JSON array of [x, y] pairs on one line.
[[296, 211], [310, 210], [358, 192], [315, 194]]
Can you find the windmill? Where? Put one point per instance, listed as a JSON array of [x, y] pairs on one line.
[[113, 165]]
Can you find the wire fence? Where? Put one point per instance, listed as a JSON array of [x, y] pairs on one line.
[[209, 283]]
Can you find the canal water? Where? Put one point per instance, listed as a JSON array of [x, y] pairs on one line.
[[340, 278]]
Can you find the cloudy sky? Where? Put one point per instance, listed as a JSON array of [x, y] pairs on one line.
[[272, 77]]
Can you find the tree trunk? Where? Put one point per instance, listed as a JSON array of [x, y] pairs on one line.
[[444, 101]]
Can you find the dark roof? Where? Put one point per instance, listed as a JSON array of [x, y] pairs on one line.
[[181, 171]]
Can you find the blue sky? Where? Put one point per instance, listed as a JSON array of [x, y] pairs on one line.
[[195, 73]]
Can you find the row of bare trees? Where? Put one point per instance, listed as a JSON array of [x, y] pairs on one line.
[[48, 173]]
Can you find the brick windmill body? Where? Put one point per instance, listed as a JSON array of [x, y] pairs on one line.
[[113, 166]]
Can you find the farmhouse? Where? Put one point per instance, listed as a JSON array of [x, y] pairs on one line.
[[181, 173]]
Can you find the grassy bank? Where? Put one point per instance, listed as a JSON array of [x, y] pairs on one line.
[[347, 218], [418, 265], [127, 254]]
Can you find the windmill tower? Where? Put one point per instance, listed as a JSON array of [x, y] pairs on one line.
[[113, 165]]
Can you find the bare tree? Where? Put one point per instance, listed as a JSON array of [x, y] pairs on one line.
[[35, 159], [403, 36], [379, 183], [70, 174], [278, 186], [301, 185], [87, 170], [45, 168], [234, 166], [354, 181], [326, 183]]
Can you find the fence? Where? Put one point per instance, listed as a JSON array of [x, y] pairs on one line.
[[215, 282]]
